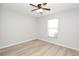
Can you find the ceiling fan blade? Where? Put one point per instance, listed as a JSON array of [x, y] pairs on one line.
[[32, 5], [46, 9], [34, 9], [44, 4]]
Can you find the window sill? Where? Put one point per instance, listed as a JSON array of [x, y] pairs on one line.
[[52, 37]]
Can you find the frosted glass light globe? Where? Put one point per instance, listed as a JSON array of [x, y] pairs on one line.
[[39, 10]]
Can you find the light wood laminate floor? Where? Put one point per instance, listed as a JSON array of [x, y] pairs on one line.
[[38, 48]]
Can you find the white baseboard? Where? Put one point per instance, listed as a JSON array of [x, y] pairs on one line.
[[16, 43], [39, 39], [60, 45]]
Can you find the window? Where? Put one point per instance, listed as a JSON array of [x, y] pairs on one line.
[[53, 28]]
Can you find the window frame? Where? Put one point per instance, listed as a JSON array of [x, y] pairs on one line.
[[53, 28]]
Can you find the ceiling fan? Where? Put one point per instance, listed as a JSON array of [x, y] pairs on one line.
[[40, 7]]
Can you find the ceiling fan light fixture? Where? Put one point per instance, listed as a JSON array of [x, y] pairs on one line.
[[39, 11], [40, 8]]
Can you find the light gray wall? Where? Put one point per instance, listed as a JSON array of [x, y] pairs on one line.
[[15, 27], [68, 34]]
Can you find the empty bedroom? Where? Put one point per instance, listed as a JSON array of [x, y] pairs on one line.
[[39, 29]]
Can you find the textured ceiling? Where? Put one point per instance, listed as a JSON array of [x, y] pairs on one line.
[[25, 8]]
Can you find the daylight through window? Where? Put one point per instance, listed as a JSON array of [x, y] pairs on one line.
[[53, 28]]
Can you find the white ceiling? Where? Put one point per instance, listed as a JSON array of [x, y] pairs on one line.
[[25, 8]]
